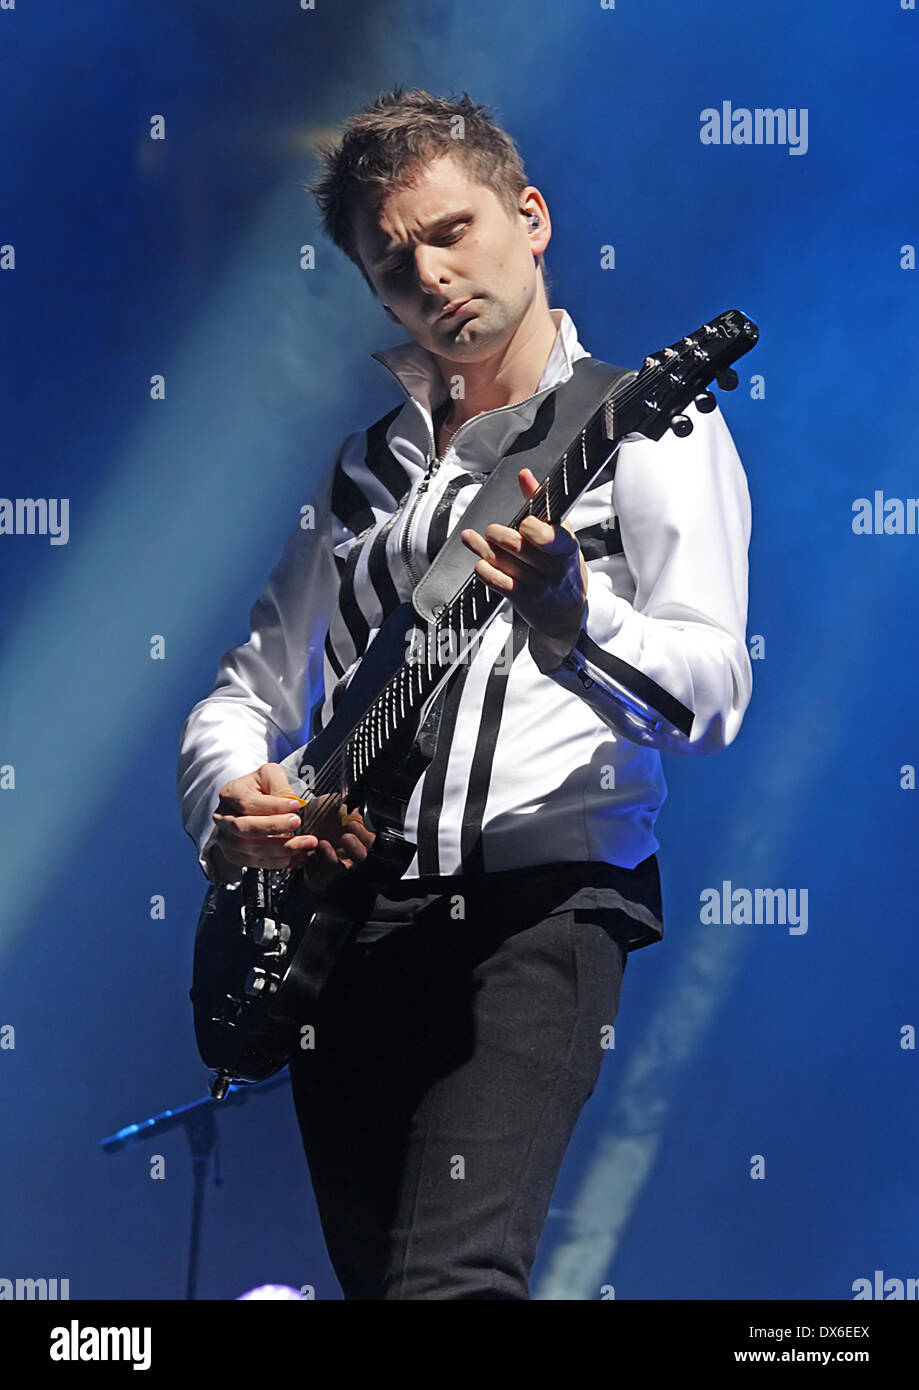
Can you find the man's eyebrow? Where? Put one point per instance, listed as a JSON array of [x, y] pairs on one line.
[[394, 247]]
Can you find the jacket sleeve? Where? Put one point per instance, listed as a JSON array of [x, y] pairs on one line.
[[670, 669], [266, 688]]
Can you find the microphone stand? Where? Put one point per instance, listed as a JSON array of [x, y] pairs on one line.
[[200, 1125]]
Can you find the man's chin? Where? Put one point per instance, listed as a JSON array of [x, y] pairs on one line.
[[470, 341]]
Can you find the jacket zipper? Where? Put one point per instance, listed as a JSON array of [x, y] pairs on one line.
[[405, 546], [406, 541]]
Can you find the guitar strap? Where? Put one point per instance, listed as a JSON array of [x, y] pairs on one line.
[[557, 424]]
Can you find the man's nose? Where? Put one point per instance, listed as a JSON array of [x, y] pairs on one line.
[[431, 269]]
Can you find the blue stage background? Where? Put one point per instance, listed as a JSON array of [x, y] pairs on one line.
[[136, 256]]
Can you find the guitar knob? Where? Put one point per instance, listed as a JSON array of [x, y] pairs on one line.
[[705, 402], [263, 930], [727, 379], [259, 982], [681, 425], [219, 1085]]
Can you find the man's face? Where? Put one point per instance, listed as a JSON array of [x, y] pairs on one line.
[[447, 239]]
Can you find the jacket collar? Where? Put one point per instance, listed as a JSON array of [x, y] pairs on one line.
[[417, 372]]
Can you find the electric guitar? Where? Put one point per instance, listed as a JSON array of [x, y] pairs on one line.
[[265, 947]]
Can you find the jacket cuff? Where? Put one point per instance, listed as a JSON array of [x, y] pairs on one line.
[[621, 695], [206, 860]]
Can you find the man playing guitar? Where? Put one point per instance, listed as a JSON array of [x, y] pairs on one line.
[[464, 1028]]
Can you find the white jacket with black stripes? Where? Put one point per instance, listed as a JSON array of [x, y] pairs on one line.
[[532, 766]]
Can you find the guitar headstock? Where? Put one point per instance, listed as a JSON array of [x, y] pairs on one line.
[[676, 375]]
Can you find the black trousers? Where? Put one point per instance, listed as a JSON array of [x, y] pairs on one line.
[[452, 1059]]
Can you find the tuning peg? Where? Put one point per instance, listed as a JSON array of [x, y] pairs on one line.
[[705, 402], [681, 425], [727, 379]]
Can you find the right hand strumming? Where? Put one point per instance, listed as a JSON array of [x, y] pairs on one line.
[[258, 826]]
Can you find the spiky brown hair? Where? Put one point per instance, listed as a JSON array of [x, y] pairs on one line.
[[384, 145]]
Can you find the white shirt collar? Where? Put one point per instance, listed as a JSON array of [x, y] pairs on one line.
[[417, 372]]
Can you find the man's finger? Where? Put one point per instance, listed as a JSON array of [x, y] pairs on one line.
[[273, 779], [254, 803], [358, 845], [257, 827], [538, 552], [517, 542], [551, 539], [269, 854]]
